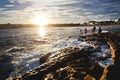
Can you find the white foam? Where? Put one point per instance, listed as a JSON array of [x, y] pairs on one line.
[[84, 44], [15, 49], [104, 31], [25, 62], [105, 63], [104, 52]]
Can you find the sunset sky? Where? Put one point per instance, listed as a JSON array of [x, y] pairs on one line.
[[58, 11]]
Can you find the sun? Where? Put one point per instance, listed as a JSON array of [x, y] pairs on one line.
[[40, 20]]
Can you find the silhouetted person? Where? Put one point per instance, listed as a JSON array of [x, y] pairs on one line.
[[93, 30], [99, 30], [85, 31]]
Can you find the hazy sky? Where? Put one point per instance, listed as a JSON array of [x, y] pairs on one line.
[[58, 11]]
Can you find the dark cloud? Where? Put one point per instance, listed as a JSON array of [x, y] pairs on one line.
[[4, 2], [94, 6], [17, 6]]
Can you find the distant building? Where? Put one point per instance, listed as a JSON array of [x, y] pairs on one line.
[[101, 22], [84, 24], [91, 22], [117, 21]]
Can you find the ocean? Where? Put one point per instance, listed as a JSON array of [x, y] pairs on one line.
[[20, 49]]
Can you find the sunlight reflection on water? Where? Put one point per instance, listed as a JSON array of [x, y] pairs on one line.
[[42, 31]]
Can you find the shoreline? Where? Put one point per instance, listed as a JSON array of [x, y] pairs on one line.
[[36, 26], [73, 62]]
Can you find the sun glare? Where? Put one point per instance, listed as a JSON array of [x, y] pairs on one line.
[[40, 20], [42, 31]]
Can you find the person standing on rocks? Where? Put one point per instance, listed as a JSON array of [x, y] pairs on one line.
[[85, 31], [93, 30], [99, 30]]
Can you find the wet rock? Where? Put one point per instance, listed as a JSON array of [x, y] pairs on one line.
[[96, 71], [113, 73], [58, 62], [79, 76], [92, 39], [89, 77], [44, 57], [101, 58], [63, 73]]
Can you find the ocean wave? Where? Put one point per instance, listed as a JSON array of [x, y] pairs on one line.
[[40, 41], [15, 49], [5, 66]]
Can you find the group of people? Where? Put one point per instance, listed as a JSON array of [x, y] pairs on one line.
[[93, 30]]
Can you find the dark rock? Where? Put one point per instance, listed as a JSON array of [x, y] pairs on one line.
[[92, 39], [96, 72], [63, 73], [66, 78], [101, 58], [44, 57], [114, 70], [55, 63], [78, 76], [113, 73]]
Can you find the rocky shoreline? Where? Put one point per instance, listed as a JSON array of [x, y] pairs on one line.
[[81, 63]]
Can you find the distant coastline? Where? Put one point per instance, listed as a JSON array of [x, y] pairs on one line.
[[88, 24], [17, 26]]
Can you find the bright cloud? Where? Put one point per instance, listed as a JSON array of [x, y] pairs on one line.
[[9, 5]]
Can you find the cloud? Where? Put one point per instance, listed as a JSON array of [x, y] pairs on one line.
[[2, 9], [93, 8], [60, 10], [9, 5], [20, 1]]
